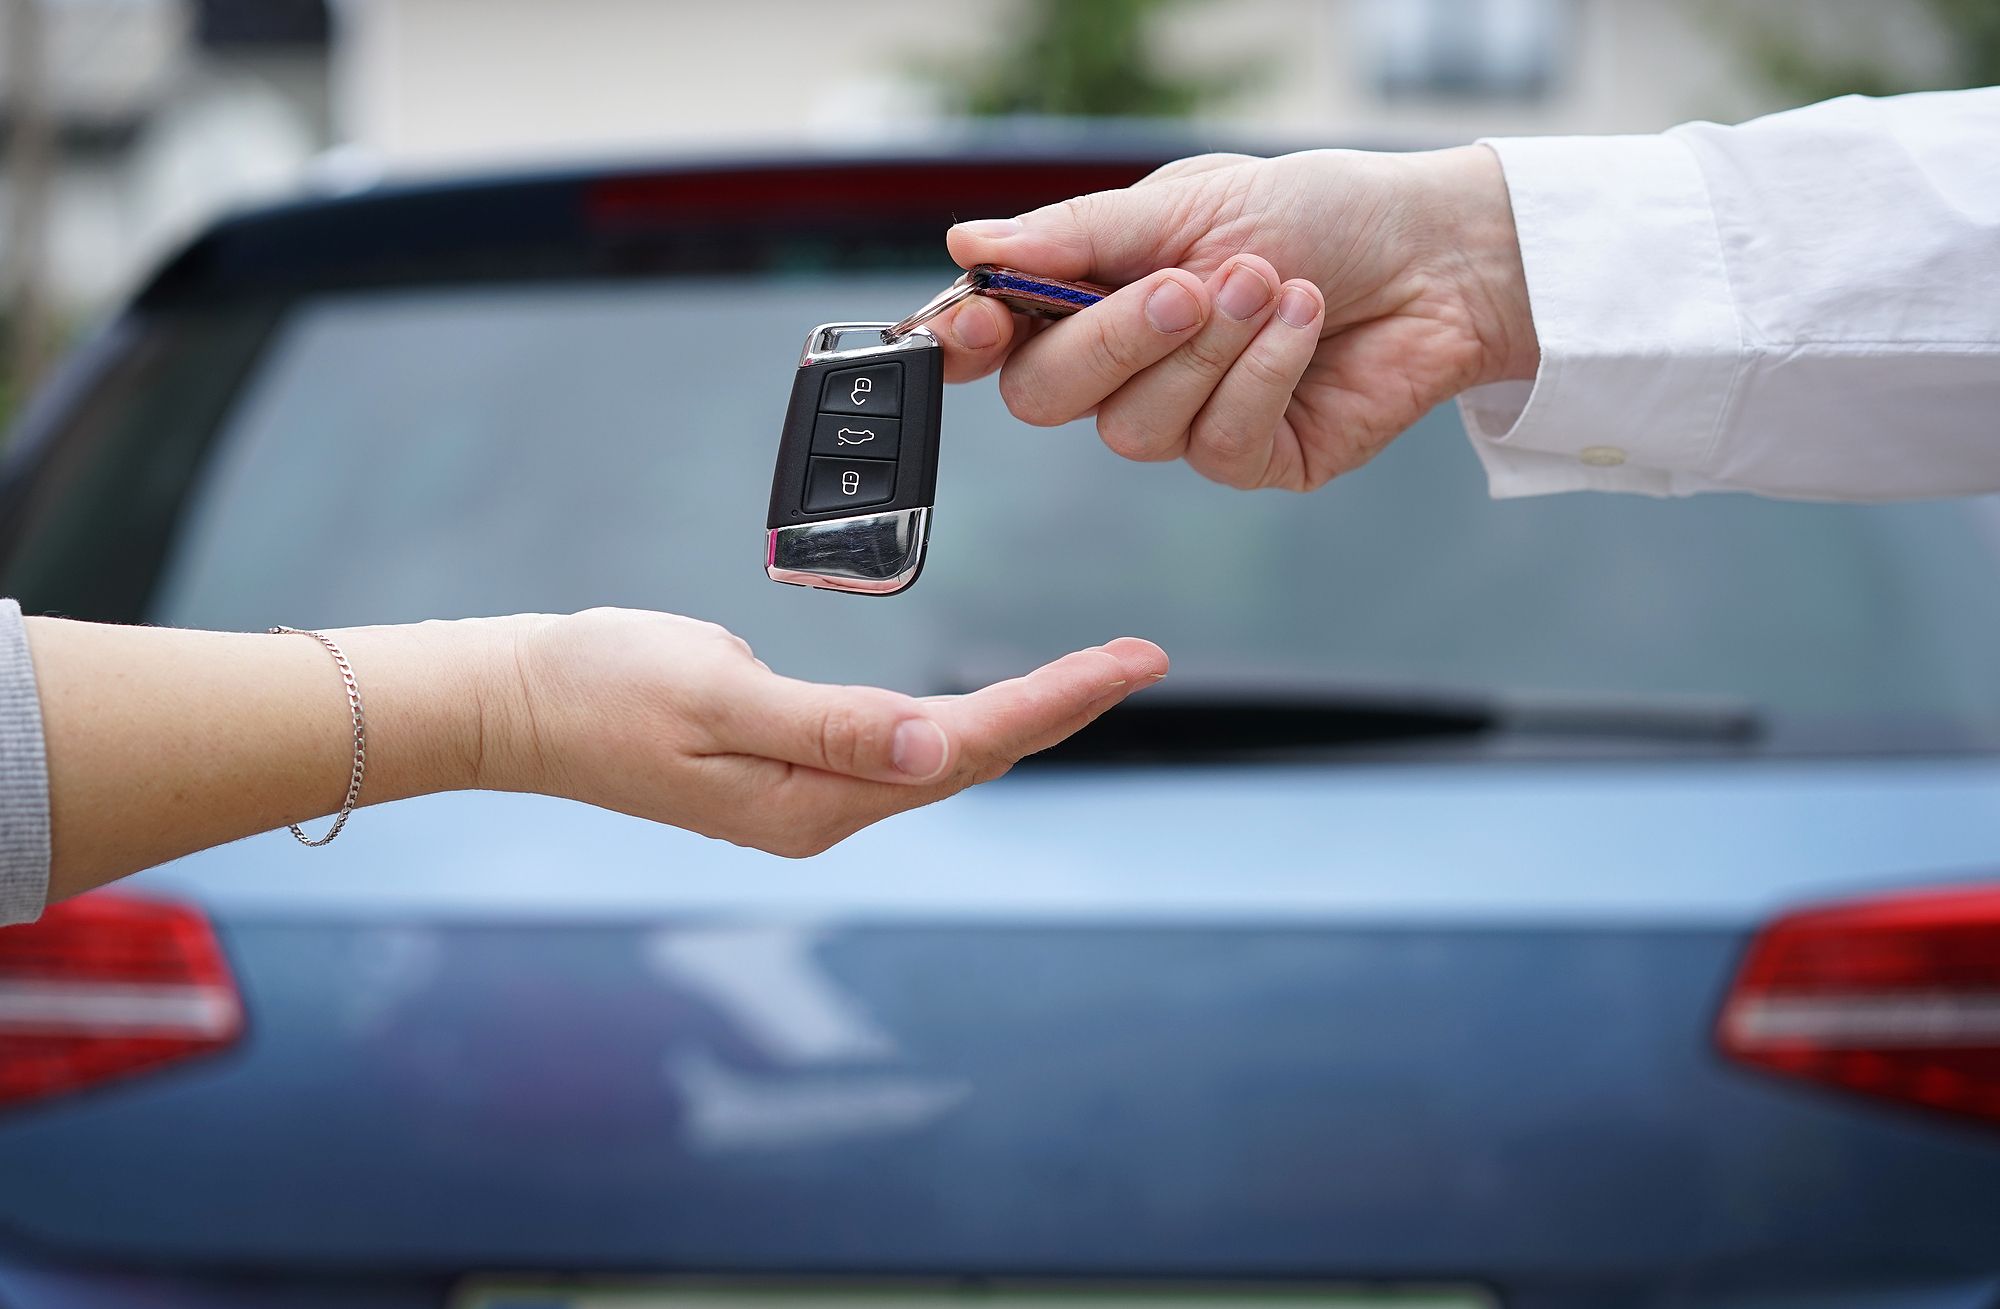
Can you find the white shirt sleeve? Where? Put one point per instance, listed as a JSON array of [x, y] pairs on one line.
[[1807, 305]]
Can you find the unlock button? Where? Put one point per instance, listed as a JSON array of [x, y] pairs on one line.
[[848, 483], [876, 390]]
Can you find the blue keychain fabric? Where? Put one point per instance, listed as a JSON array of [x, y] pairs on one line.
[[1049, 296]]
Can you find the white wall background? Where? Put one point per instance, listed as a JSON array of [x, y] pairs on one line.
[[423, 81]]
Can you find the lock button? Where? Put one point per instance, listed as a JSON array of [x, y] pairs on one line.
[[876, 391], [848, 483]]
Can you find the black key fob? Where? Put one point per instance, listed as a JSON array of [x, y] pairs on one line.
[[857, 464]]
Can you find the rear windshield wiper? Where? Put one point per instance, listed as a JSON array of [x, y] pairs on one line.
[[1194, 723]]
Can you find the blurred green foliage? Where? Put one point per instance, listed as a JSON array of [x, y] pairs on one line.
[[1087, 59], [1970, 28]]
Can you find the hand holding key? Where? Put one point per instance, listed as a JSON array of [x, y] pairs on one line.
[[1280, 320]]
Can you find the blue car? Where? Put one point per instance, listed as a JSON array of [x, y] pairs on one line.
[[1583, 901]]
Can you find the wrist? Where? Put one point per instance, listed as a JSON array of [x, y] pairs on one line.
[[439, 698], [509, 657], [1475, 237]]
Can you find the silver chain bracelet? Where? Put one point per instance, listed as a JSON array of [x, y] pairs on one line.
[[360, 735]]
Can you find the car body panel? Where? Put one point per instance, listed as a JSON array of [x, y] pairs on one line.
[[1104, 1100], [1716, 842]]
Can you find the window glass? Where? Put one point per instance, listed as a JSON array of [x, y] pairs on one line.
[[413, 455]]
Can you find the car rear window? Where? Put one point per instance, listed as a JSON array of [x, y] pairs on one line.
[[443, 452]]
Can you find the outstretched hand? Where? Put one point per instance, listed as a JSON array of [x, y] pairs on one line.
[[676, 720], [161, 741]]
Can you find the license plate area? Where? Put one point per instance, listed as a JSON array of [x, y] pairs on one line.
[[530, 1293]]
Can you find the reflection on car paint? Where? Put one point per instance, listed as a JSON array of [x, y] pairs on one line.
[[728, 1109], [767, 979], [823, 1056]]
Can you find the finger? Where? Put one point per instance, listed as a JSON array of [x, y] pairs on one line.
[[976, 337], [853, 731], [1235, 434], [1107, 236], [798, 811], [1142, 661], [1149, 418], [1007, 720], [865, 732], [1065, 370], [805, 811]]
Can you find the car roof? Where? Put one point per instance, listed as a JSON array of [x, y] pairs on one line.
[[690, 214]]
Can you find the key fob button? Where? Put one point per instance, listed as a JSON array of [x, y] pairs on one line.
[[848, 483], [855, 436], [876, 390]]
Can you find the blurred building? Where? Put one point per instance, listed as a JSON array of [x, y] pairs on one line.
[[162, 112], [433, 80], [167, 110]]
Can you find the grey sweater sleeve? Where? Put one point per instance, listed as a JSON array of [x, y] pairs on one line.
[[24, 779]]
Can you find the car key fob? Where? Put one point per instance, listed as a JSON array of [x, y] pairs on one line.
[[857, 461]]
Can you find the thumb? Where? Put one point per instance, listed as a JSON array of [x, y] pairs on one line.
[[854, 731], [1108, 236]]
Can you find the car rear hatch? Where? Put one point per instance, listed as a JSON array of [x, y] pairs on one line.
[[1403, 1023]]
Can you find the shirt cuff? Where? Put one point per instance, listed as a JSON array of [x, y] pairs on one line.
[[1638, 329], [24, 778]]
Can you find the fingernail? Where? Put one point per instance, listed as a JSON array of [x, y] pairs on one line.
[[990, 228], [1297, 307], [919, 749], [1244, 293], [1171, 309], [973, 327], [1157, 677]]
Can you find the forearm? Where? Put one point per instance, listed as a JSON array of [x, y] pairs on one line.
[[161, 742]]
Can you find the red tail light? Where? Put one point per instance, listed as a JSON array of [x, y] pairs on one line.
[[105, 986], [930, 190], [1897, 998]]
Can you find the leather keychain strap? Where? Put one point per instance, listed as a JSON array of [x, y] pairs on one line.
[[1045, 297]]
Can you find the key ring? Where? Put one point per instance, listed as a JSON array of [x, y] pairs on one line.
[[1046, 297], [965, 286]]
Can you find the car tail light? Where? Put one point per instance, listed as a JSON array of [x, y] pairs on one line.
[[107, 985], [1897, 997]]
